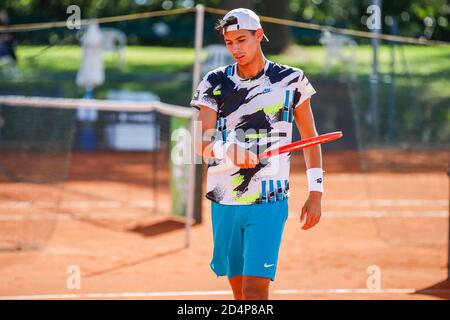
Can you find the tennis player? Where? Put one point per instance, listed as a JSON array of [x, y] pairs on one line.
[[250, 106]]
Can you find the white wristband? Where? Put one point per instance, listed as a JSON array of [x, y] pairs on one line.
[[220, 149], [315, 179]]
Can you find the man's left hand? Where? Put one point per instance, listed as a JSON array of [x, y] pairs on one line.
[[311, 210]]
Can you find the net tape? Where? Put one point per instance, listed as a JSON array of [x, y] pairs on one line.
[[106, 105]]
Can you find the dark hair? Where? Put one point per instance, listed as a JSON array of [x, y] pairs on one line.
[[221, 24]]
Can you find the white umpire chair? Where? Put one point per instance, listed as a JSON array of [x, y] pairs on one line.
[[115, 41], [216, 56], [340, 49]]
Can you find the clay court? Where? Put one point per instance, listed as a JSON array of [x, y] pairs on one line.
[[82, 216], [103, 220]]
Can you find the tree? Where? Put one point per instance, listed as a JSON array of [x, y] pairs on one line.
[[233, 4], [279, 35]]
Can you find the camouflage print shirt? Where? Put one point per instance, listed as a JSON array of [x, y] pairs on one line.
[[257, 114]]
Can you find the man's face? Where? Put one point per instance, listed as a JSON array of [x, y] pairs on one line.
[[243, 44]]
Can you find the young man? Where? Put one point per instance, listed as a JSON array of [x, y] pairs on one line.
[[250, 106]]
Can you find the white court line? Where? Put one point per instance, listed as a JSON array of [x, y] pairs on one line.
[[379, 214], [350, 213], [63, 216], [292, 215], [149, 203], [389, 202], [218, 293], [76, 204]]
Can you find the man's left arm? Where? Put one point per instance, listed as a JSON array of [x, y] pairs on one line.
[[311, 210]]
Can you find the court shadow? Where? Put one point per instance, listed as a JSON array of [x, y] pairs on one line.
[[158, 228], [134, 262], [439, 290]]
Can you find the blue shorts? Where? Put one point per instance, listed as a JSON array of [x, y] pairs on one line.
[[247, 238]]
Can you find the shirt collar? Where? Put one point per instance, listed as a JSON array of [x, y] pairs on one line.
[[266, 66]]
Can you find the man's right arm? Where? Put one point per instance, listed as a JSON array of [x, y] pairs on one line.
[[207, 119]]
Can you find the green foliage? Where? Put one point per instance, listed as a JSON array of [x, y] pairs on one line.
[[411, 14], [421, 84]]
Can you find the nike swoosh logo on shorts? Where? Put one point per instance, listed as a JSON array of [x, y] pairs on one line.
[[268, 265]]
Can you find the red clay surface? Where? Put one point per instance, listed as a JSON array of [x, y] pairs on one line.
[[102, 220]]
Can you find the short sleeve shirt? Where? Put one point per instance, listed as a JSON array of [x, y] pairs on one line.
[[257, 114]]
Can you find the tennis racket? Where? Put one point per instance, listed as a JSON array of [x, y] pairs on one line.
[[291, 147]]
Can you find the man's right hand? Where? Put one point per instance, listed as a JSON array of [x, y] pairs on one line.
[[242, 157]]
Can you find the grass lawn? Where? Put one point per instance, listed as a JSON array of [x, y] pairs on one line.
[[422, 75], [428, 66], [422, 60], [139, 59]]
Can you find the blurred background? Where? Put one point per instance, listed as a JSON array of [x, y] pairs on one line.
[[67, 164]]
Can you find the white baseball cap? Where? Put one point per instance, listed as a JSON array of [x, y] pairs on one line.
[[241, 18]]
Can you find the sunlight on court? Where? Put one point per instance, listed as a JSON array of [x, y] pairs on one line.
[[97, 200]]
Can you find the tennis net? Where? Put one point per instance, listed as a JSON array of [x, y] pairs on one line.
[[106, 162]]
